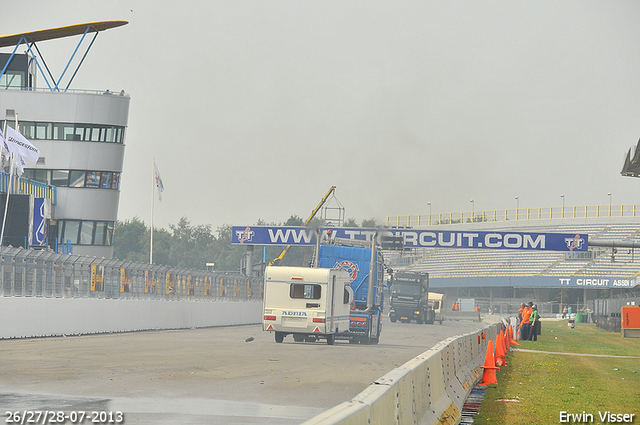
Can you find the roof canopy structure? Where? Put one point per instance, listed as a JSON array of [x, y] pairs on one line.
[[631, 167], [30, 39]]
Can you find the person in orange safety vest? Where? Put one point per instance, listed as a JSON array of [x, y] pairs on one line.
[[526, 321]]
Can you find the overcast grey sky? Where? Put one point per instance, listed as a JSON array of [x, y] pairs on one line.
[[254, 109]]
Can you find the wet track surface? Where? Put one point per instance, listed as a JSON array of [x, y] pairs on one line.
[[203, 376]]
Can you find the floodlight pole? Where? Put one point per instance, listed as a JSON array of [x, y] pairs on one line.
[[473, 211]]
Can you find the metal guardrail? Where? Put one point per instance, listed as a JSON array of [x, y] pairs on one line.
[[60, 90], [39, 273], [522, 214]]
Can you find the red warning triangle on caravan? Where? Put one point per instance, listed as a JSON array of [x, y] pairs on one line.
[[270, 328], [316, 329]]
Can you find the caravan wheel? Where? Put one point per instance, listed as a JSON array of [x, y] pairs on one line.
[[330, 339], [279, 337]]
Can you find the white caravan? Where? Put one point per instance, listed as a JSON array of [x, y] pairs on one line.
[[437, 304], [309, 303]]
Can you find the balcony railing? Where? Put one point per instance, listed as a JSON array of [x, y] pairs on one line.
[[28, 187]]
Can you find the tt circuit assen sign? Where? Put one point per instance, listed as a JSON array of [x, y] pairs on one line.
[[276, 235]]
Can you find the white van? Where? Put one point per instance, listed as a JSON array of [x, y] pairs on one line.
[[309, 303], [437, 304]]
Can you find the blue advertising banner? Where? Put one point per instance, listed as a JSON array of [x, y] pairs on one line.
[[279, 235], [41, 212], [589, 282]]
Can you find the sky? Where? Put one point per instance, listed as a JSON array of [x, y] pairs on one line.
[[254, 109]]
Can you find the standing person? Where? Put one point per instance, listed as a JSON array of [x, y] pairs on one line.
[[520, 318], [520, 312], [564, 312], [526, 321], [535, 324]]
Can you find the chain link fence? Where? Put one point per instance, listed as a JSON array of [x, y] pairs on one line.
[[39, 273], [607, 311]]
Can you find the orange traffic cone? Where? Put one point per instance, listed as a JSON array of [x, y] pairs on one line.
[[511, 340], [489, 374], [500, 353]]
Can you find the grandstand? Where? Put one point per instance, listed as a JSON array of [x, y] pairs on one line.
[[491, 274]]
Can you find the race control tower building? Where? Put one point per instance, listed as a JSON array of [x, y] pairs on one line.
[[80, 135]]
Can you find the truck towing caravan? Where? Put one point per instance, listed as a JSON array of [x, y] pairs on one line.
[[306, 302], [341, 298]]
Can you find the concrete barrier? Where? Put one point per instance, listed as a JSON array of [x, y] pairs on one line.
[[22, 317], [429, 389]]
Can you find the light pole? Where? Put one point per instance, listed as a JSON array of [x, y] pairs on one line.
[[609, 194], [562, 196], [429, 203], [473, 211], [517, 206]]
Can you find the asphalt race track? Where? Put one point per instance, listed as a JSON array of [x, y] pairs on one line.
[[226, 375]]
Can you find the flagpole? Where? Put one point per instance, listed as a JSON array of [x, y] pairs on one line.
[[6, 205], [153, 183]]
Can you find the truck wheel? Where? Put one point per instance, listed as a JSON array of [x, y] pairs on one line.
[[279, 337], [330, 339], [298, 338], [420, 320], [393, 319]]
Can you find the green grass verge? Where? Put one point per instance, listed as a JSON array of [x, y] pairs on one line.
[[546, 384]]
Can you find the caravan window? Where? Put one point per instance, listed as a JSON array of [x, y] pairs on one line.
[[348, 294], [306, 291]]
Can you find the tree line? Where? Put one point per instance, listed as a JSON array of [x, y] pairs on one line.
[[193, 246]]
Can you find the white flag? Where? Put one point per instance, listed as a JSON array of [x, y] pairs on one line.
[[20, 164], [19, 160], [17, 143], [159, 184], [5, 148]]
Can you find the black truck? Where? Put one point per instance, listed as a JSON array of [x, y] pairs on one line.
[[410, 298]]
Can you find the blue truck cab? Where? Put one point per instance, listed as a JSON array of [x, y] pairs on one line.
[[365, 321]]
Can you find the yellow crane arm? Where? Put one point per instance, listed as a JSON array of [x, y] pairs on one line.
[[280, 257]]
